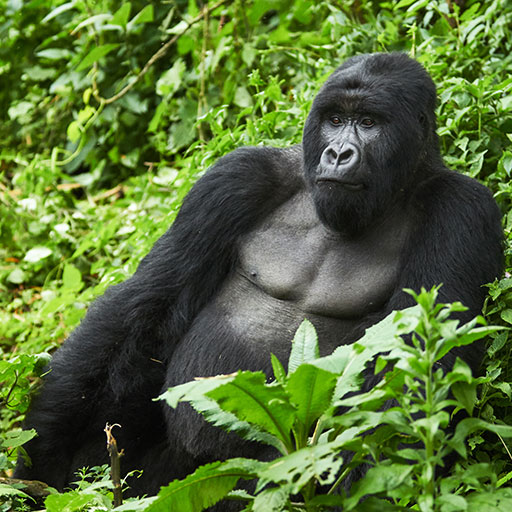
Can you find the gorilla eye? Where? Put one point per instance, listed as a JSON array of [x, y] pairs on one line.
[[367, 122], [336, 120]]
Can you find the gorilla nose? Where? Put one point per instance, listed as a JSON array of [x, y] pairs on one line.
[[340, 157]]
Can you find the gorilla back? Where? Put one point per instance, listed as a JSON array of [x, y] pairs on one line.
[[331, 230]]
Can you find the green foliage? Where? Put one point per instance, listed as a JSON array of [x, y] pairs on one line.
[[404, 443], [110, 111]]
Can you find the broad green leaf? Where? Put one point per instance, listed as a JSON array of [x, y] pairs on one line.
[[310, 389], [506, 315], [499, 500], [145, 15], [304, 346], [9, 490], [170, 81], [270, 500], [211, 411], [16, 276], [122, 15], [467, 426], [68, 502], [250, 399], [319, 463], [205, 487], [465, 393], [74, 131], [71, 278], [96, 54], [16, 438], [37, 254], [380, 478], [193, 390], [460, 340]]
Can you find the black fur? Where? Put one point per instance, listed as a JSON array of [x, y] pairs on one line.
[[174, 318]]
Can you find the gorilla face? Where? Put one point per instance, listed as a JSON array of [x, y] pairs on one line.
[[368, 133]]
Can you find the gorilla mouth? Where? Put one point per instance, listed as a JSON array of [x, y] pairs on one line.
[[349, 185]]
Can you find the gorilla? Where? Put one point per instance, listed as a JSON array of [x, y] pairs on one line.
[[331, 230]]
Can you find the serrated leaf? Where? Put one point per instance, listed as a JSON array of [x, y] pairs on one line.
[[278, 369], [319, 463], [194, 390], [212, 413], [16, 438], [460, 340], [205, 487], [270, 500], [304, 346], [96, 54], [250, 399], [378, 479], [310, 389]]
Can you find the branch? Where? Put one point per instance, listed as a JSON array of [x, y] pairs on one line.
[[160, 53], [115, 465], [34, 488]]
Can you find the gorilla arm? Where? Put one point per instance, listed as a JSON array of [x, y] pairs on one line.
[[456, 242], [114, 362]]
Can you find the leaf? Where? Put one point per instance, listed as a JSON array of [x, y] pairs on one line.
[[304, 346], [270, 500], [71, 278], [55, 54], [96, 54], [37, 254], [468, 426], [16, 276], [460, 340], [465, 394], [499, 500], [194, 390], [249, 399], [278, 369], [96, 19], [380, 478], [16, 438], [145, 15], [58, 10], [9, 490], [68, 502], [122, 15], [229, 422], [205, 487], [310, 389], [320, 463]]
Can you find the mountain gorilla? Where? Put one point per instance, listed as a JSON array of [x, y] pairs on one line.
[[332, 230]]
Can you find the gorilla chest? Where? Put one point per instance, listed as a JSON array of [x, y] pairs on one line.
[[293, 257]]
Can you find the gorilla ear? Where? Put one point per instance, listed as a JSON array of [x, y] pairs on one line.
[[422, 119]]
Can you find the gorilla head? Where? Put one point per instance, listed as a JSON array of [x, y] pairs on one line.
[[370, 132]]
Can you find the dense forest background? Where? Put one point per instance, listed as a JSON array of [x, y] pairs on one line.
[[111, 110]]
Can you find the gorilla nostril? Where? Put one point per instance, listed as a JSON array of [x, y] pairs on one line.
[[345, 156], [332, 155]]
